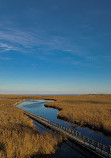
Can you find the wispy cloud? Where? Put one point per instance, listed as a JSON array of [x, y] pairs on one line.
[[5, 47], [42, 44], [36, 41]]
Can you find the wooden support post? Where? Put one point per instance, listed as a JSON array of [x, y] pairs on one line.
[[98, 144]]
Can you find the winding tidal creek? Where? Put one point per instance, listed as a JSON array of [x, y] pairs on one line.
[[66, 149]]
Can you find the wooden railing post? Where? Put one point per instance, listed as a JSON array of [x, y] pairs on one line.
[[71, 131], [88, 140], [104, 147], [79, 135]]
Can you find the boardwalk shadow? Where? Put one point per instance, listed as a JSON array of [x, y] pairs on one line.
[[41, 156]]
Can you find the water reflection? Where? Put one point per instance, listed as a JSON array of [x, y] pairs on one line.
[[38, 108]]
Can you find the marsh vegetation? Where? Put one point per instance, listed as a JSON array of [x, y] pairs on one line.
[[93, 111], [19, 137]]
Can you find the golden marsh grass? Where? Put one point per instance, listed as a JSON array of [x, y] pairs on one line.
[[86, 110], [19, 137]]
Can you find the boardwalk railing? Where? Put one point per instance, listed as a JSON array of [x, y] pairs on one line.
[[94, 146]]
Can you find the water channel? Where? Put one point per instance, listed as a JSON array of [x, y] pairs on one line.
[[66, 149]]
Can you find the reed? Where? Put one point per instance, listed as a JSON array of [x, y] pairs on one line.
[[19, 137], [92, 110]]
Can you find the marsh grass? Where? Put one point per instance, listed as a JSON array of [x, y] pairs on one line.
[[87, 110], [19, 138], [92, 110]]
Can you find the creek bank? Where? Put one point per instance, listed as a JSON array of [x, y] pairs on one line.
[[76, 123], [52, 106], [19, 102]]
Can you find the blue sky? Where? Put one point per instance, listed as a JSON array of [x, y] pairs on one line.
[[55, 46]]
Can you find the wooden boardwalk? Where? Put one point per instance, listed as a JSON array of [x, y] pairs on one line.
[[96, 147]]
